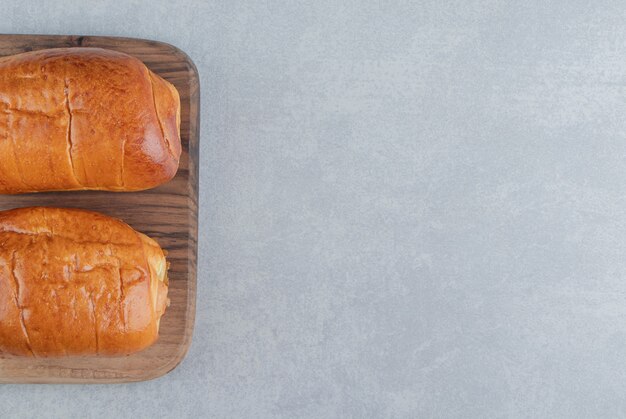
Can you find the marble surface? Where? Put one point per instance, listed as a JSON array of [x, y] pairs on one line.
[[407, 210]]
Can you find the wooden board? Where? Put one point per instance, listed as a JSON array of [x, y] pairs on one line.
[[168, 213]]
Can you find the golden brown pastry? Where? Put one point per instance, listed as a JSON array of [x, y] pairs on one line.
[[75, 282], [85, 118]]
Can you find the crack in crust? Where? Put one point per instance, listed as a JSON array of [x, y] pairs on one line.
[[11, 111], [14, 148], [16, 295], [121, 313], [123, 183], [68, 109], [95, 321], [61, 236], [156, 112]]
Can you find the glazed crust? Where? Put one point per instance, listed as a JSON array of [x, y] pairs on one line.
[[85, 118], [74, 282]]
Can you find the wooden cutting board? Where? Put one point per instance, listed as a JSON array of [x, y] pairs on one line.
[[168, 214]]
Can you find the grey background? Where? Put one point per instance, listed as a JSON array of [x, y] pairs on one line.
[[414, 209]]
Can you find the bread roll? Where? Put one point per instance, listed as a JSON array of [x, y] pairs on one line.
[[74, 282], [85, 118]]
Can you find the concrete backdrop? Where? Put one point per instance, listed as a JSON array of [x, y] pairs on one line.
[[408, 209]]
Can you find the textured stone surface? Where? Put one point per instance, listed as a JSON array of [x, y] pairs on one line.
[[415, 210]]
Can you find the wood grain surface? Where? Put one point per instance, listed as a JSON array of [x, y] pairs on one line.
[[168, 214]]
